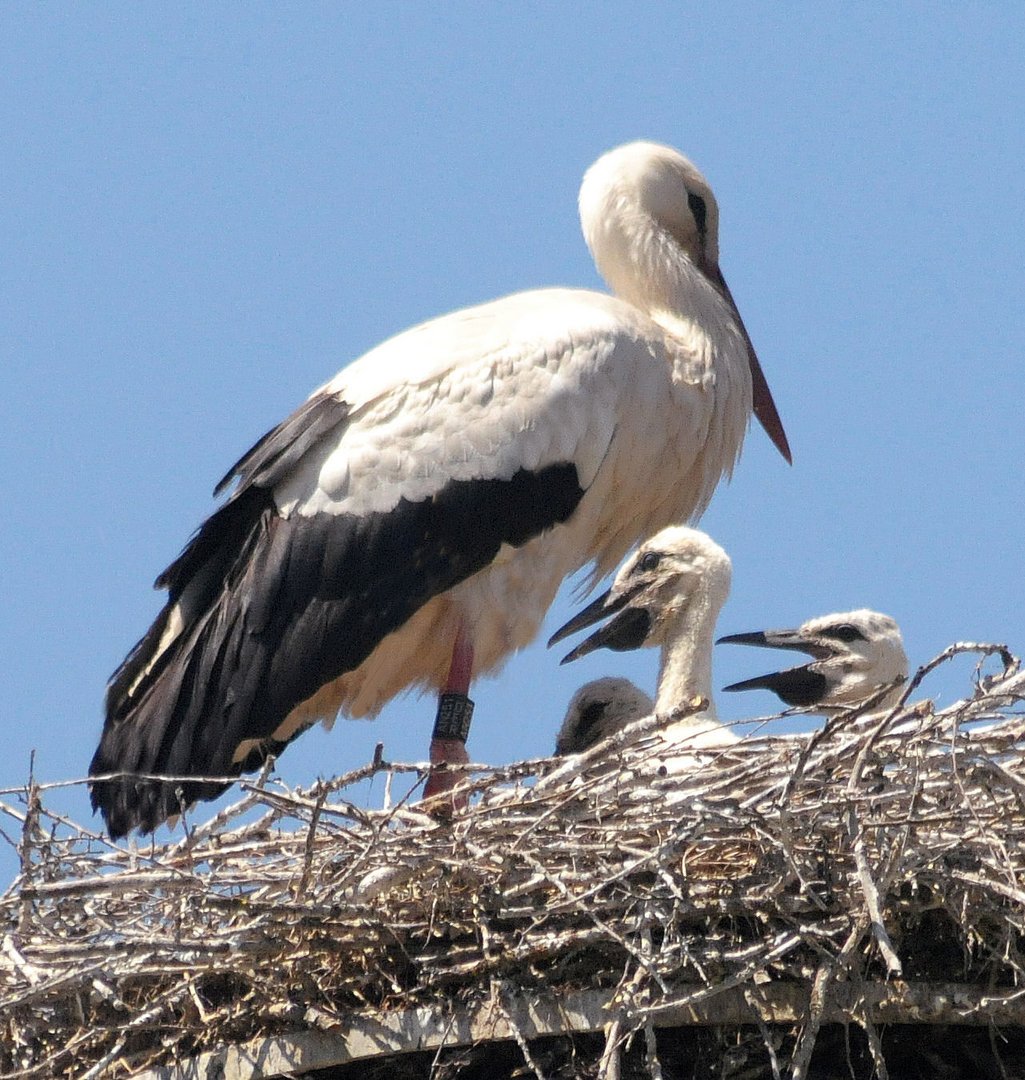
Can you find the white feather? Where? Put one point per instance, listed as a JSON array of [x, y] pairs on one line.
[[647, 393]]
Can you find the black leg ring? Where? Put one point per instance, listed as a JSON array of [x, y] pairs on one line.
[[455, 711]]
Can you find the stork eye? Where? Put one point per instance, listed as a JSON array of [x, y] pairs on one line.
[[844, 632], [699, 210], [651, 560]]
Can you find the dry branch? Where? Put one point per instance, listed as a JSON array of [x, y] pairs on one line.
[[781, 881]]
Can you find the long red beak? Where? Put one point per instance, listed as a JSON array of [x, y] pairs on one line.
[[762, 403]]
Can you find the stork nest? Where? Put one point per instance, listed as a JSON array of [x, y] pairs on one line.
[[583, 910]]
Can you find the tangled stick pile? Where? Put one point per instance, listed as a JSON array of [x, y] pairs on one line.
[[586, 912]]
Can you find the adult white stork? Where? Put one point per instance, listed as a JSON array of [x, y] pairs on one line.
[[856, 654], [410, 524], [668, 593]]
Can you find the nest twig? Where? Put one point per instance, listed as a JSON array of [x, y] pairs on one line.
[[762, 875]]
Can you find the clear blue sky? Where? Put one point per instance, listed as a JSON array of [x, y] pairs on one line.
[[207, 210]]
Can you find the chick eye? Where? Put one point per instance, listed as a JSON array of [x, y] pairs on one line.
[[844, 632], [651, 560]]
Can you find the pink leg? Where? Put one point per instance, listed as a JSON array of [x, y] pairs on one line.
[[447, 748], [461, 668]]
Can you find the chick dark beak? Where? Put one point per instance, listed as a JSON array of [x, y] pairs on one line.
[[627, 631], [777, 639], [795, 686]]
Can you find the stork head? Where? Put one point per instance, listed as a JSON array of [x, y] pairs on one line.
[[598, 709], [855, 654], [678, 571], [641, 182], [652, 224]]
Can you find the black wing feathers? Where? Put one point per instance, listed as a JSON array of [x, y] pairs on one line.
[[273, 456], [275, 608], [226, 537], [258, 470]]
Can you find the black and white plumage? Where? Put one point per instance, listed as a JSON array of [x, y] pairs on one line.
[[428, 501], [856, 654], [668, 594]]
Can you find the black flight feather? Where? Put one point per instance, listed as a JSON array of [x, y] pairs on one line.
[[276, 608]]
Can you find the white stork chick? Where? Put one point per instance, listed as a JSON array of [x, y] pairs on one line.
[[409, 525], [598, 709], [856, 655], [668, 593]]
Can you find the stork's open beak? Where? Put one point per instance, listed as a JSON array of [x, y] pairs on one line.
[[795, 686], [626, 631], [763, 405], [779, 639]]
